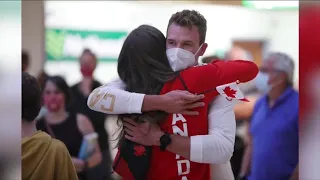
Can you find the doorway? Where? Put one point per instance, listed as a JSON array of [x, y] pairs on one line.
[[255, 47]]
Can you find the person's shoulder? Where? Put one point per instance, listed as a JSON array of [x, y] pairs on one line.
[[294, 100], [75, 87], [295, 94], [259, 102], [40, 123], [96, 84], [58, 146]]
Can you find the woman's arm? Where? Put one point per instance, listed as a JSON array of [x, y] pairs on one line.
[[112, 99], [85, 128]]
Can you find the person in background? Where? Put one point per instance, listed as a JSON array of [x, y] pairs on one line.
[[42, 157], [42, 77], [273, 149], [80, 92], [25, 60], [209, 59], [242, 110], [70, 128]]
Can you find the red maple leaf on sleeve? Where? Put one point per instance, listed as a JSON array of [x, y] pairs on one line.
[[230, 92], [139, 150]]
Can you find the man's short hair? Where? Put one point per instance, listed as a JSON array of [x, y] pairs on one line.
[[189, 18], [31, 97]]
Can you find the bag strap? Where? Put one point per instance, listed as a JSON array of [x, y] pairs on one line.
[[50, 131]]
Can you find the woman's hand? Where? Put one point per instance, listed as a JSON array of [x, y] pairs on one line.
[[79, 164], [181, 102], [146, 134]]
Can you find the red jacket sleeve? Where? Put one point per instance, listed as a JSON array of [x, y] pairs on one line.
[[206, 77]]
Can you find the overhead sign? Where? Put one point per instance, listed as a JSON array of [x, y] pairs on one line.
[[272, 5], [67, 45]]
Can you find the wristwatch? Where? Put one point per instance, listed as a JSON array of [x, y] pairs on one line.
[[165, 140]]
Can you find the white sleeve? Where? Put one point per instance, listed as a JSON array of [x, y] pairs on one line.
[[113, 99], [216, 147]]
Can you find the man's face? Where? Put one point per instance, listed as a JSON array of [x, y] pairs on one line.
[[276, 77], [185, 38]]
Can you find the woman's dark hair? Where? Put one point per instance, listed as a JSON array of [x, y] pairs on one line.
[[31, 97], [144, 68], [62, 86]]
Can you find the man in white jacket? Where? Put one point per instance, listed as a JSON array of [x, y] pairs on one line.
[[215, 148]]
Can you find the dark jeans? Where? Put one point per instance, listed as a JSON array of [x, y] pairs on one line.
[[103, 170]]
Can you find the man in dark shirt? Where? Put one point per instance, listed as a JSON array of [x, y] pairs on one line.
[[80, 93]]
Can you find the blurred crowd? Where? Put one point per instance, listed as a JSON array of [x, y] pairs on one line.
[[65, 115]]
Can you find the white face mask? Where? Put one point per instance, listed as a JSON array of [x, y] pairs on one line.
[[181, 59]]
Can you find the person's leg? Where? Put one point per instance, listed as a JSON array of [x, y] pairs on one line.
[[236, 159]]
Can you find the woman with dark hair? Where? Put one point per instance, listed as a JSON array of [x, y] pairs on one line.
[[144, 67], [70, 128]]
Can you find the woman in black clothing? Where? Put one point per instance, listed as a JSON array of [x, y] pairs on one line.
[[67, 127], [80, 92]]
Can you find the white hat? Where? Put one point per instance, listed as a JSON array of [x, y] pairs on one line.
[[281, 62]]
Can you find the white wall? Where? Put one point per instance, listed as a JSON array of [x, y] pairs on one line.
[[285, 35], [224, 24], [32, 19]]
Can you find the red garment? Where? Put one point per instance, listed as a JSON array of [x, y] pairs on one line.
[[201, 80], [309, 28]]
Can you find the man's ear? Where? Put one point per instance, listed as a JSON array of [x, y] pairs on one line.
[[203, 49]]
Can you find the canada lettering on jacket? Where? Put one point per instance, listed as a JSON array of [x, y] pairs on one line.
[[183, 165]]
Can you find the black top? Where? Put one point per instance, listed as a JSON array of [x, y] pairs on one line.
[[97, 119], [67, 132]]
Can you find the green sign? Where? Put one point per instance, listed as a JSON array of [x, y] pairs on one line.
[[67, 45], [271, 5]]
